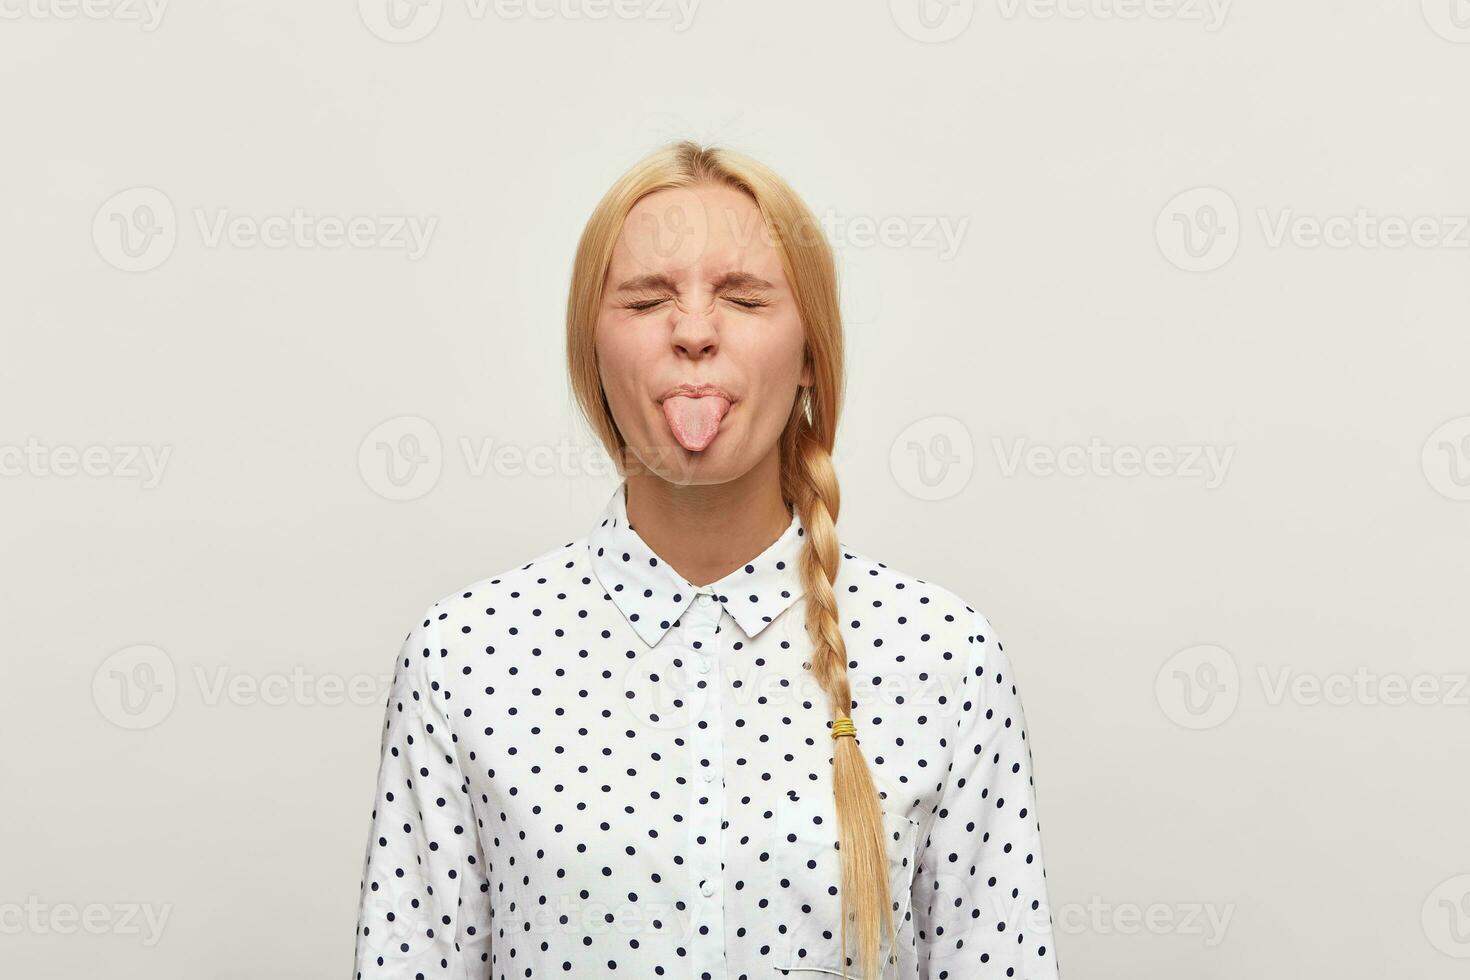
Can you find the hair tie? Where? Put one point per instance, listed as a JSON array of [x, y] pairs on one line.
[[843, 726]]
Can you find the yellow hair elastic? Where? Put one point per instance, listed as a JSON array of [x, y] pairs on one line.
[[843, 726]]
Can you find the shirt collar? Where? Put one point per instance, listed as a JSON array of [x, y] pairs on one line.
[[652, 596]]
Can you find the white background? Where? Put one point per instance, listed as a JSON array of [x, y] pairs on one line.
[[1245, 684]]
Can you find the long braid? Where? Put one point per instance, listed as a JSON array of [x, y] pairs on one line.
[[813, 490]]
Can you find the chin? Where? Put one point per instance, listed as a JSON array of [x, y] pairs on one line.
[[677, 465]]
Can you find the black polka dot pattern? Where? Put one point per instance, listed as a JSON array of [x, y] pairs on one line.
[[592, 768]]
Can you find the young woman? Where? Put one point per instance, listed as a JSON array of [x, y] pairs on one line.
[[706, 739]]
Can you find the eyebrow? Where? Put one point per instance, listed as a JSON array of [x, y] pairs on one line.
[[659, 280]]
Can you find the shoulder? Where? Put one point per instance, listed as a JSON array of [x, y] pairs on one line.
[[860, 575], [543, 574], [936, 612], [921, 631]]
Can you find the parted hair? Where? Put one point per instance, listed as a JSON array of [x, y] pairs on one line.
[[808, 479]]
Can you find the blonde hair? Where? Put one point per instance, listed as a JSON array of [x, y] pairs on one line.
[[808, 480]]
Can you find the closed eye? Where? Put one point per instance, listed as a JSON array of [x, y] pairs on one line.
[[744, 302], [641, 305]]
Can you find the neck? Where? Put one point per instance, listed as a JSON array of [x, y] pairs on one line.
[[706, 531]]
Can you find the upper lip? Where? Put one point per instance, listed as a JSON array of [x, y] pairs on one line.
[[697, 391]]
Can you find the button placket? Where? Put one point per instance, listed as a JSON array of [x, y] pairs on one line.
[[707, 802]]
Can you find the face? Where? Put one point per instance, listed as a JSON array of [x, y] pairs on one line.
[[696, 296]]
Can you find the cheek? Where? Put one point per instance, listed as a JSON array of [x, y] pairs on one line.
[[774, 358], [617, 352], [621, 363], [780, 351]]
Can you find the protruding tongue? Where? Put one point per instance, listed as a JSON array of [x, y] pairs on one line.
[[695, 421]]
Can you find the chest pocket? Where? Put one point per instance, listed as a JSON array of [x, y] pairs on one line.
[[808, 873]]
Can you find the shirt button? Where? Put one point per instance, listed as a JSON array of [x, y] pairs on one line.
[[709, 776], [703, 663], [707, 889], [704, 599]]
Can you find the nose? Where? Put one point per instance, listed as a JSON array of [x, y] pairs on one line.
[[695, 333]]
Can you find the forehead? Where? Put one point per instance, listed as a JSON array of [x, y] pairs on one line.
[[705, 229]]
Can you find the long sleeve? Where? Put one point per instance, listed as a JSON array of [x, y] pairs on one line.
[[980, 903], [424, 909]]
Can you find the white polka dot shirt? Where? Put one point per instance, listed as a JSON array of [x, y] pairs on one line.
[[592, 768]]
